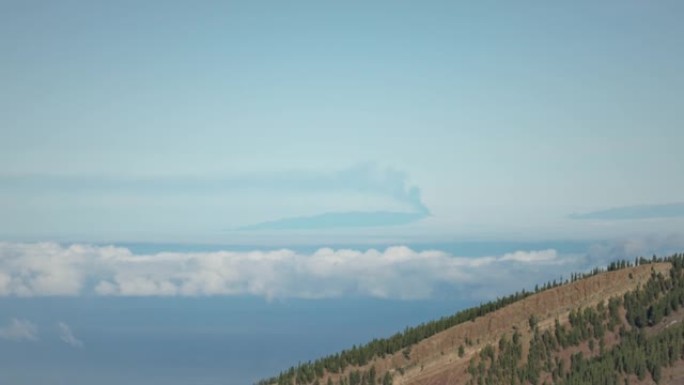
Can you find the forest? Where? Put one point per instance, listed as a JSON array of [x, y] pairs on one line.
[[637, 351]]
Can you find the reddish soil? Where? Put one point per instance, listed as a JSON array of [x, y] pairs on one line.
[[435, 360]]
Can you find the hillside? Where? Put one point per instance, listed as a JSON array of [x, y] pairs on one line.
[[615, 326]]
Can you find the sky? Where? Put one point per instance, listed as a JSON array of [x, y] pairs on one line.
[[219, 168], [230, 121]]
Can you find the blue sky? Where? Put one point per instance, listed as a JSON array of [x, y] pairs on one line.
[[158, 122]]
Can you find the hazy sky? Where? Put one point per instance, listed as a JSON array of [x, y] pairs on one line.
[[254, 121]]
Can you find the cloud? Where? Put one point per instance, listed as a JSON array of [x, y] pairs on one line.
[[667, 210], [397, 272], [366, 178], [369, 177], [67, 336], [43, 268], [532, 256], [19, 330], [661, 244], [336, 193]]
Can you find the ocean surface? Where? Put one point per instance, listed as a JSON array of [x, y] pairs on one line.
[[209, 340]]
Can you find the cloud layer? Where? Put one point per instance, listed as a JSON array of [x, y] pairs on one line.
[[363, 195], [44, 269]]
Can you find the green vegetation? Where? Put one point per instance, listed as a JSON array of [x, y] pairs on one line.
[[308, 372], [505, 365], [634, 353]]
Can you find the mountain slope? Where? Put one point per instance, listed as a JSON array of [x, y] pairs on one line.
[[430, 366], [505, 344]]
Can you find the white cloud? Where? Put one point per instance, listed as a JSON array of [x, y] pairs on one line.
[[67, 336], [638, 246], [531, 256], [19, 330], [44, 269]]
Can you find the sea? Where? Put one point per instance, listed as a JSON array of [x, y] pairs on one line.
[[211, 340]]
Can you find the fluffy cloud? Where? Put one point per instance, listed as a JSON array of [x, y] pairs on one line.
[[532, 256], [67, 336], [43, 269], [19, 330]]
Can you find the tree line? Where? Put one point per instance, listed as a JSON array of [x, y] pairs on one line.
[[636, 354]]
